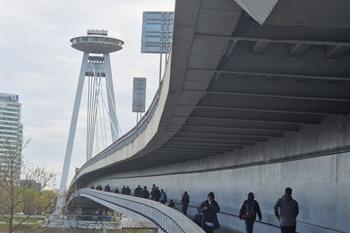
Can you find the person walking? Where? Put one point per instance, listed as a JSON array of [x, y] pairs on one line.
[[153, 192], [209, 210], [137, 191], [163, 196], [185, 200], [107, 188], [286, 211], [249, 210], [145, 193], [128, 190], [158, 194], [124, 191]]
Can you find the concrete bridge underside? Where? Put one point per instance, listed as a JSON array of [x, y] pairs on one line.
[[249, 107]]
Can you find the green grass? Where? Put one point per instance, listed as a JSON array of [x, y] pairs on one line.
[[30, 220]]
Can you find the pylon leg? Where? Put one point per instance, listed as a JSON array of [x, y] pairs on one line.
[[71, 135]]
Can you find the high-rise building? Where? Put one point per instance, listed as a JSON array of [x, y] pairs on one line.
[[11, 131]]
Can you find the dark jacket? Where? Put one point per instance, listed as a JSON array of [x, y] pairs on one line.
[[250, 209], [185, 199], [287, 210], [145, 194], [137, 192], [158, 194], [210, 214]]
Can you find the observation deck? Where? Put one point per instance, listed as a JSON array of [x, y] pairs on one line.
[[97, 41]]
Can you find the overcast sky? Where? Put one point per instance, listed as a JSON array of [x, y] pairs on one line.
[[38, 64]]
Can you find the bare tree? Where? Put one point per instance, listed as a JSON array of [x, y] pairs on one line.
[[13, 195]]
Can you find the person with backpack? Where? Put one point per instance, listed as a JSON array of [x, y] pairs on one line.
[[286, 211], [249, 210], [209, 210]]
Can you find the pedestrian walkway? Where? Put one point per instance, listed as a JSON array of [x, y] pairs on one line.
[[226, 230]]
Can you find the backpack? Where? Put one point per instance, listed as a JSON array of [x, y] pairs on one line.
[[249, 210]]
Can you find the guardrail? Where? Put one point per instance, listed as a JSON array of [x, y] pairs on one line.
[[166, 218]]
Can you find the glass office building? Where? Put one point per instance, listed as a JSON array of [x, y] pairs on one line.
[[11, 131]]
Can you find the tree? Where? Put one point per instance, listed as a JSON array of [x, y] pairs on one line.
[[14, 197]]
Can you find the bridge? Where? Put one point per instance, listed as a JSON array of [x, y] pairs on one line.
[[254, 98]]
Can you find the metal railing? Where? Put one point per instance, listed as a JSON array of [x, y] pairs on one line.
[[166, 218]]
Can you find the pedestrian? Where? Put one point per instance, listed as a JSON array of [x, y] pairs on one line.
[[209, 210], [92, 187], [137, 191], [249, 210], [286, 211], [145, 193], [124, 190], [116, 190], [158, 194], [172, 204], [153, 192], [128, 190], [107, 188], [185, 200], [163, 196]]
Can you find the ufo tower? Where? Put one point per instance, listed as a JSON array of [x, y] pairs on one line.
[[96, 70]]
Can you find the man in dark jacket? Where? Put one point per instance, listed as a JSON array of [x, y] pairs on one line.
[[123, 191], [209, 210], [163, 196], [185, 200], [137, 192], [107, 188], [145, 193], [286, 211], [249, 210], [128, 190], [153, 192]]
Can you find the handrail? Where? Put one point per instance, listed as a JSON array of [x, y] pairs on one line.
[[166, 218]]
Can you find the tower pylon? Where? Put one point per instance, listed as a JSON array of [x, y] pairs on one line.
[[96, 64]]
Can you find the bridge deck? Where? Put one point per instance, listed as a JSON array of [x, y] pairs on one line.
[[225, 230]]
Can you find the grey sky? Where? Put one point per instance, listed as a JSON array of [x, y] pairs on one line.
[[38, 63]]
